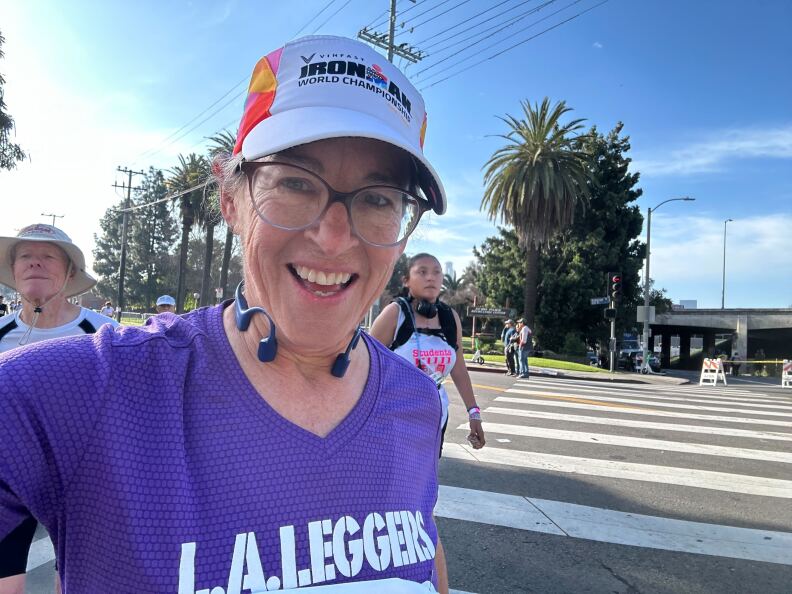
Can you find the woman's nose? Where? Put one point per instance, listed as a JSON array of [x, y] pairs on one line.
[[334, 233]]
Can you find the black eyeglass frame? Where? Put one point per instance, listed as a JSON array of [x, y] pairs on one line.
[[249, 168]]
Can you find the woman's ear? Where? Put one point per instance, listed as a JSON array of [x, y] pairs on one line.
[[228, 209]]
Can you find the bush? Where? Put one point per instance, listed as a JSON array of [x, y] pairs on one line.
[[574, 345]]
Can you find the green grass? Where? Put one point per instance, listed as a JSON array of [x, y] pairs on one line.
[[548, 364]]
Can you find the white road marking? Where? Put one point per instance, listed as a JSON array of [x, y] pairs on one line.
[[41, 552], [636, 442], [604, 525], [643, 402], [651, 413], [656, 425], [728, 391], [679, 397], [651, 473]]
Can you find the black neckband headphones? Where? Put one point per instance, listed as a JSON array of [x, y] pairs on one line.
[[427, 309], [268, 347]]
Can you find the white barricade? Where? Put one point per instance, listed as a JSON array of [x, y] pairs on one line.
[[711, 370], [786, 374]]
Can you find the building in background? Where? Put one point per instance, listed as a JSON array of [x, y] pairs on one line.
[[449, 268]]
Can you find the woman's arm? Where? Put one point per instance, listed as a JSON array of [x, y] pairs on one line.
[[461, 378], [384, 326], [441, 568]]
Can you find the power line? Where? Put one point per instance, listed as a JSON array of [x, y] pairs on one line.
[[441, 41], [371, 25], [488, 37], [428, 10], [513, 46], [203, 121], [206, 182], [332, 15], [437, 16], [546, 30], [305, 26]]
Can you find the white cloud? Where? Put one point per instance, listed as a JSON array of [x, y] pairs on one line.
[[687, 259], [712, 154], [597, 45]]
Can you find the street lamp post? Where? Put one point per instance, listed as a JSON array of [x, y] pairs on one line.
[[723, 286], [645, 363]]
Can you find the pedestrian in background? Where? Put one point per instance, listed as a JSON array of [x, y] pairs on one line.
[[107, 310], [3, 307], [509, 340], [524, 347], [166, 303], [46, 268], [422, 329]]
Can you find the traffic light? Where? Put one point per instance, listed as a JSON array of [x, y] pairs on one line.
[[615, 286]]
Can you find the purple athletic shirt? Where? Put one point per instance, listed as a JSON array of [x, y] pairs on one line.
[[156, 467]]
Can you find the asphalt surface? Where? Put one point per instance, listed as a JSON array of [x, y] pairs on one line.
[[562, 460], [537, 509]]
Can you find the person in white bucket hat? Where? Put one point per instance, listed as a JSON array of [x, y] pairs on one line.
[[46, 268], [265, 443]]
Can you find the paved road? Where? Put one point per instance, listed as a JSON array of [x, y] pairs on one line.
[[592, 487]]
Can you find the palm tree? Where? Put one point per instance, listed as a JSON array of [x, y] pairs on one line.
[[223, 144], [189, 177], [536, 181]]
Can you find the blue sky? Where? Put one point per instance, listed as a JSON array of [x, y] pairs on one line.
[[704, 89]]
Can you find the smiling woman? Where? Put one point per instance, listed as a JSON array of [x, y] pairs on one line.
[[265, 443]]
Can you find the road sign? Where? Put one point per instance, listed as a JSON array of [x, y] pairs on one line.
[[599, 301], [488, 312], [641, 315]]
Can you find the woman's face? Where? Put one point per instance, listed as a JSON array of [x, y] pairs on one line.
[[425, 280], [39, 269], [318, 283]]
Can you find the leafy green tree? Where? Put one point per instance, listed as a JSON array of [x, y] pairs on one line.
[[602, 238], [536, 183], [501, 270], [151, 238], [107, 251], [188, 179], [10, 153]]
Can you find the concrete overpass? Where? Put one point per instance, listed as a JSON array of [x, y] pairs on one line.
[[769, 330]]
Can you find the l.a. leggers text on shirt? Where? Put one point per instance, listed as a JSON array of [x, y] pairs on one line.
[[393, 540]]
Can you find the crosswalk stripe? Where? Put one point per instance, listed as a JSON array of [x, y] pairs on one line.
[[604, 385], [604, 525], [41, 552], [645, 412], [740, 396], [611, 421], [635, 442], [653, 395], [645, 403], [669, 475]]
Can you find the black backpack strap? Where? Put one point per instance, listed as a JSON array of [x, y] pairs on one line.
[[448, 324], [406, 329], [87, 327], [7, 328]]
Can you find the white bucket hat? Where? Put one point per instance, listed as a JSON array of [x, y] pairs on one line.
[[78, 284], [321, 87]]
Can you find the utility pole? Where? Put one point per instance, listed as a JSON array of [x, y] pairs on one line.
[[122, 266], [54, 216], [387, 41]]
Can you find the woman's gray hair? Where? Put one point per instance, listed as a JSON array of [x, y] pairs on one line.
[[226, 172]]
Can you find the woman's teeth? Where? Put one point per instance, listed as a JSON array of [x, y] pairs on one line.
[[327, 279]]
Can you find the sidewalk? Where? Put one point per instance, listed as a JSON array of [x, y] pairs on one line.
[[621, 377]]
